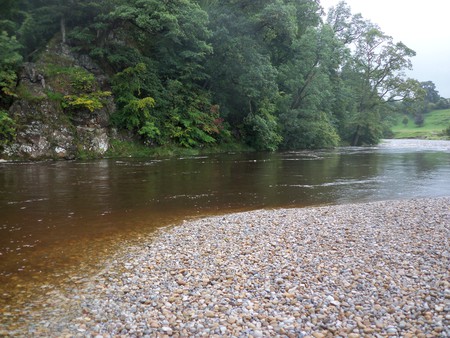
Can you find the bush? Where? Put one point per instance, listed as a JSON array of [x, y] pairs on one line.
[[447, 131], [7, 129], [419, 120], [308, 131], [262, 131], [90, 101], [405, 121]]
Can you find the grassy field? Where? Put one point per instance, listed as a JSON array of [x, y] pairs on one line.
[[435, 124]]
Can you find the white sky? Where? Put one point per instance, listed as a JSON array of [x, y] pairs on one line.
[[423, 26]]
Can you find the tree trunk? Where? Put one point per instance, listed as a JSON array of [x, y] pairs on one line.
[[63, 29], [355, 138]]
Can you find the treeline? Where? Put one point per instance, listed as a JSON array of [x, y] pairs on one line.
[[271, 73]]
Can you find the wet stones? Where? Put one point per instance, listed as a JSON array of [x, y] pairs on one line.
[[376, 269]]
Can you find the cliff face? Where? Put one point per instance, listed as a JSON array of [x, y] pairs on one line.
[[64, 107]]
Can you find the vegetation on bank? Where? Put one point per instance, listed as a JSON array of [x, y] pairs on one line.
[[204, 74], [435, 125], [134, 149]]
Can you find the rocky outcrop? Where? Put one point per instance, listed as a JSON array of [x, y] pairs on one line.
[[46, 127]]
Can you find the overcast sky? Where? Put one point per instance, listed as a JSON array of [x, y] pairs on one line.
[[421, 25]]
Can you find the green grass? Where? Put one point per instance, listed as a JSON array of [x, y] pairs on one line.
[[436, 122]]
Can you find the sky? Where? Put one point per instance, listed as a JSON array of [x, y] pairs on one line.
[[420, 25]]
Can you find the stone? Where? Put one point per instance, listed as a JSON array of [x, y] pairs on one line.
[[155, 286], [45, 131]]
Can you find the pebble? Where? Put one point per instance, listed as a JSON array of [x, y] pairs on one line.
[[371, 269]]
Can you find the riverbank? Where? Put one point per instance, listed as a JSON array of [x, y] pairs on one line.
[[378, 268], [435, 126]]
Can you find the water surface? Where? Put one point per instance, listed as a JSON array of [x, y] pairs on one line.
[[57, 216]]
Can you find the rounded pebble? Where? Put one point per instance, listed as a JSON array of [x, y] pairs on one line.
[[371, 269]]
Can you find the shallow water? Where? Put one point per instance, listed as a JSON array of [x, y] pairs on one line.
[[57, 216]]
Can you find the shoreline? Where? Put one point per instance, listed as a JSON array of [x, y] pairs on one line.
[[378, 268]]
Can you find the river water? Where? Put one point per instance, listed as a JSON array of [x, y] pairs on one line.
[[59, 216]]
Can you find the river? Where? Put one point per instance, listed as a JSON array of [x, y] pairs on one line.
[[60, 217]]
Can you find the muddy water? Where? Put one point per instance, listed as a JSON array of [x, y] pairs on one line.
[[57, 218]]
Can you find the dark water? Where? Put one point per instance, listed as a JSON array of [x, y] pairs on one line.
[[55, 215]]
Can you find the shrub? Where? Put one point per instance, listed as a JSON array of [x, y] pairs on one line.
[[405, 121], [262, 131], [419, 120], [90, 101], [7, 128], [447, 131]]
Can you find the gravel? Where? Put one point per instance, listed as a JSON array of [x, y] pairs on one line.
[[377, 269]]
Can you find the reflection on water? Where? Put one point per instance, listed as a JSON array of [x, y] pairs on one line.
[[56, 214]]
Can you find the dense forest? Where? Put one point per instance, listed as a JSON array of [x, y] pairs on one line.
[[272, 74]]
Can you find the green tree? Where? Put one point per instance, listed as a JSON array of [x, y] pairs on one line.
[[373, 75], [7, 129], [256, 48], [10, 59], [306, 84], [432, 95], [170, 47], [419, 120], [133, 103], [377, 74], [242, 77], [346, 26], [405, 121]]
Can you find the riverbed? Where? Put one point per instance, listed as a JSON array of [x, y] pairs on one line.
[[376, 269], [60, 221]]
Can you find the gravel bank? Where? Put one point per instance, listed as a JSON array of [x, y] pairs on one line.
[[378, 269]]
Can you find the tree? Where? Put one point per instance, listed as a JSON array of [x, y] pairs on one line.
[[181, 70], [10, 60], [7, 129], [405, 121], [307, 91], [167, 41], [431, 94], [373, 74], [347, 27], [443, 103], [242, 76], [419, 120], [262, 73]]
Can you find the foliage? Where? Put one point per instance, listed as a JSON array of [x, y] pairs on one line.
[[261, 130], [419, 120], [432, 95], [72, 86], [447, 132], [308, 91], [430, 100], [83, 81], [75, 80], [443, 103], [373, 75], [434, 126], [366, 129], [260, 48], [149, 131], [134, 106], [7, 129], [10, 59], [23, 91], [158, 83], [54, 96], [269, 73], [91, 101], [309, 131]]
